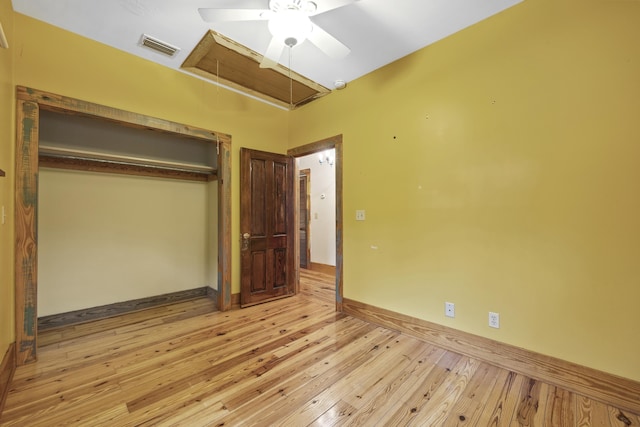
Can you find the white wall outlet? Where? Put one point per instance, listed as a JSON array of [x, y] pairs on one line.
[[494, 319], [449, 309], [360, 215]]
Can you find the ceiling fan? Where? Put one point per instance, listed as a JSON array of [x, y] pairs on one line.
[[289, 23]]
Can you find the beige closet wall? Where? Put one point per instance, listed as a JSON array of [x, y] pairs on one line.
[[107, 238]]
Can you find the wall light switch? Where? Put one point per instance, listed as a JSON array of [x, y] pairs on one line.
[[360, 215]]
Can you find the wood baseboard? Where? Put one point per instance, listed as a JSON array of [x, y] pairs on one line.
[[7, 369], [235, 298], [323, 268], [111, 310], [212, 293], [619, 392]]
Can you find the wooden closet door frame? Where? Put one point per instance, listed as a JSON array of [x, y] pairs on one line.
[[29, 103], [334, 142]]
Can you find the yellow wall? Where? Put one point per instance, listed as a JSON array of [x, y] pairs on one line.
[[7, 118], [499, 170], [105, 238], [57, 61]]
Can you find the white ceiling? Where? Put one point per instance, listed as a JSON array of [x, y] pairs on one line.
[[377, 31]]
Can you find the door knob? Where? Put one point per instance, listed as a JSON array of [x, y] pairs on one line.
[[245, 241]]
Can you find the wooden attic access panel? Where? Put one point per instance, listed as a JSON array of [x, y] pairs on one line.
[[220, 59]]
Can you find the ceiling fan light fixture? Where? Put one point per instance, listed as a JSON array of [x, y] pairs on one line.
[[291, 26]]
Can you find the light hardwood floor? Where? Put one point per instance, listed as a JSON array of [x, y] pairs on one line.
[[293, 362]]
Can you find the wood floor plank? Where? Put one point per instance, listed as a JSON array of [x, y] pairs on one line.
[[532, 395], [280, 393], [404, 411], [368, 381], [222, 365], [622, 418], [591, 412], [313, 409], [255, 382], [444, 399], [156, 315], [485, 409], [202, 414], [114, 415], [354, 388], [335, 415], [290, 362], [216, 344], [502, 402], [70, 408], [560, 408], [58, 388], [471, 403], [220, 378], [382, 401]]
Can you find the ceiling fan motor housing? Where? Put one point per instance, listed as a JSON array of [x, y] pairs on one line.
[[302, 5]]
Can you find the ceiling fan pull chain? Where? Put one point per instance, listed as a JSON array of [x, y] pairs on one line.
[[290, 82], [217, 83]]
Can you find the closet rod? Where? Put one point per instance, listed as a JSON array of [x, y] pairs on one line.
[[75, 154]]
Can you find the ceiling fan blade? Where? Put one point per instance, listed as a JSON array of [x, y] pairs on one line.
[[273, 53], [225, 15], [331, 46], [327, 5]]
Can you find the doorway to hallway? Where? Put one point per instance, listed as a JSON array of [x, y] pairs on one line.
[[324, 209]]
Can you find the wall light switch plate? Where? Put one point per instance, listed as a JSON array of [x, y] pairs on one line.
[[449, 309], [360, 215]]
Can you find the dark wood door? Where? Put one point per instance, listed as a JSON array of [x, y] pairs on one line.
[[304, 216], [267, 226]]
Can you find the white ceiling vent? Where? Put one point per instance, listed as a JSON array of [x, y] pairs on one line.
[[158, 45]]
